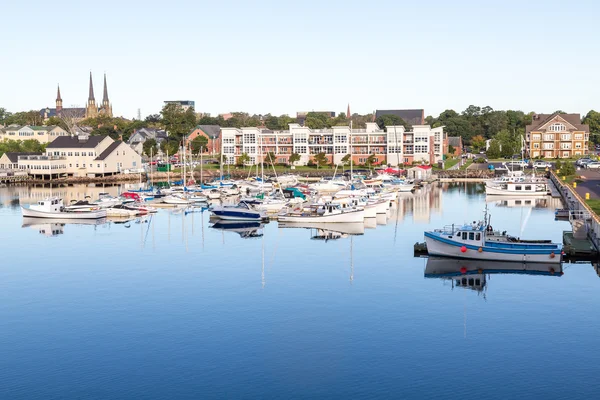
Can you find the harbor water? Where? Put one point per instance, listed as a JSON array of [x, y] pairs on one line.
[[170, 306]]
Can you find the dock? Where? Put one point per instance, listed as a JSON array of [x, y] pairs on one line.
[[554, 192]]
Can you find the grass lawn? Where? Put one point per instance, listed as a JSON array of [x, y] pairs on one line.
[[466, 165], [451, 163], [594, 204]]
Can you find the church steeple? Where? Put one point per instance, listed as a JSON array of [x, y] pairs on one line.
[[58, 100], [105, 97], [91, 110]]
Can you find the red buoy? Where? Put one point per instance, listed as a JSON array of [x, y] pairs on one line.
[[463, 270], [463, 249]]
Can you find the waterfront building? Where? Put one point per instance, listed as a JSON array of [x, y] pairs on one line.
[[10, 160], [393, 146], [81, 156], [556, 136], [184, 104], [139, 136], [42, 134], [89, 111], [211, 132], [411, 117]]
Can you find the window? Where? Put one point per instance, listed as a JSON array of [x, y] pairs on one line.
[[536, 145], [77, 165], [83, 165], [99, 165], [478, 236], [578, 136], [549, 136], [566, 154], [578, 145], [548, 146], [557, 127], [528, 187], [536, 136], [518, 187], [471, 235], [566, 136]]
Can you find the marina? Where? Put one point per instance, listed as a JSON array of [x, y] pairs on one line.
[[210, 277]]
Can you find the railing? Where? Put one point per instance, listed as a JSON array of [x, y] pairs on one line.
[[42, 158]]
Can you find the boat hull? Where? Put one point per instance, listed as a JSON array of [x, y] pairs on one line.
[[490, 190], [349, 216], [27, 212], [447, 248]]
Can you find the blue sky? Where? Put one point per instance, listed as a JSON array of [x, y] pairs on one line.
[[283, 57]]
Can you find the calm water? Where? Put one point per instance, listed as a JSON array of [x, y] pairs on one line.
[[173, 308]]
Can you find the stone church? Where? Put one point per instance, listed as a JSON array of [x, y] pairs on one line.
[[91, 110]]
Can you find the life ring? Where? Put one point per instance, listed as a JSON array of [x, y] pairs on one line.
[[552, 255], [480, 249]]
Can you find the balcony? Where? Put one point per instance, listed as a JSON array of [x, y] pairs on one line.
[[41, 158]]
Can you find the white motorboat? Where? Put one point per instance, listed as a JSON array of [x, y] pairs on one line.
[[176, 199], [214, 194], [232, 190], [106, 201], [53, 207], [240, 212], [142, 208], [479, 241], [121, 211], [271, 206], [328, 186], [325, 213], [199, 198], [522, 188]]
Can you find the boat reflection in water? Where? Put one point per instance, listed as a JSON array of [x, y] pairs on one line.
[[325, 231], [520, 201], [471, 274], [55, 227], [246, 229]]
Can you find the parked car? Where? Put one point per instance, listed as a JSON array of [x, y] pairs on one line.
[[542, 164], [518, 163], [593, 165], [582, 161]]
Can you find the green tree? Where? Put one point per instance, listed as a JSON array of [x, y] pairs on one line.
[[153, 118], [320, 159], [149, 147], [4, 115], [56, 121], [451, 150], [315, 120], [294, 157], [169, 146], [32, 146], [176, 121], [509, 143], [592, 118], [494, 151], [478, 142], [270, 158], [392, 120], [199, 144], [346, 160], [370, 160], [243, 160]]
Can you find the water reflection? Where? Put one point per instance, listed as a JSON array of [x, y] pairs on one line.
[[473, 274], [246, 229], [528, 202], [328, 231]]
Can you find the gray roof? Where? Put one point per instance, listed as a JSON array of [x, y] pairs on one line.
[[455, 141], [542, 119], [14, 156], [213, 131], [73, 142], [412, 117], [108, 150]]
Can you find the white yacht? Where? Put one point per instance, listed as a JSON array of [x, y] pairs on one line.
[[53, 207], [328, 212]]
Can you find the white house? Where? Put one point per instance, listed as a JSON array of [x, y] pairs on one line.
[[42, 134]]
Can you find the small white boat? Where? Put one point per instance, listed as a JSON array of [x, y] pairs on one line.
[[199, 198], [214, 194], [106, 201], [325, 213], [176, 199], [142, 208], [53, 207], [271, 206], [521, 188], [121, 212]]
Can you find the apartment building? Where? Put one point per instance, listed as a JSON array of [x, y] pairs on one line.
[[556, 135], [393, 146], [42, 134], [81, 156]]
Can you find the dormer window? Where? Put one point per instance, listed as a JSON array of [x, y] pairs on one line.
[[557, 127]]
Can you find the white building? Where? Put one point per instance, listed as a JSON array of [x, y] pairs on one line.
[[42, 134]]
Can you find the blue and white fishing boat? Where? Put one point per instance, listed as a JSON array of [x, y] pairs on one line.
[[479, 241], [240, 212]]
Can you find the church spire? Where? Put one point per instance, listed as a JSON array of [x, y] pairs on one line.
[[58, 100], [348, 115], [105, 97], [91, 95]]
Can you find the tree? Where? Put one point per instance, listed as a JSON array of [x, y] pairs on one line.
[[392, 120], [149, 147], [176, 121], [346, 160], [451, 149], [169, 146], [69, 118], [494, 151], [478, 142], [509, 143], [56, 121], [320, 159], [294, 157], [153, 118], [370, 160], [243, 159], [199, 144], [315, 120], [270, 158], [4, 115], [592, 119]]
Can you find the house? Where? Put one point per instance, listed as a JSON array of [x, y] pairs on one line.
[[138, 137], [420, 172], [411, 117], [184, 104], [42, 134], [10, 160], [212, 134], [82, 156], [457, 144], [556, 136]]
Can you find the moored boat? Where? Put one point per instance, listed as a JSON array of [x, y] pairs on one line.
[[240, 212], [53, 207], [325, 213]]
